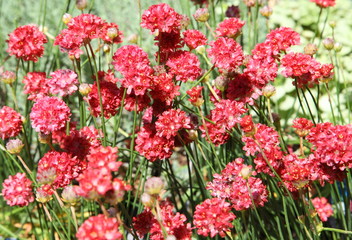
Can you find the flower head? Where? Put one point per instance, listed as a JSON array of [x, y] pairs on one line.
[[230, 27], [63, 82], [49, 114], [36, 85], [213, 217], [17, 190], [98, 228], [323, 208], [27, 43], [10, 123]]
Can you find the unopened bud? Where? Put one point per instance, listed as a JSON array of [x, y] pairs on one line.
[[201, 15], [8, 77], [66, 18], [147, 200], [43, 194], [221, 83], [246, 172], [200, 49], [337, 47], [44, 138], [185, 22], [81, 4], [106, 48], [332, 24], [112, 32], [133, 39], [69, 195], [85, 89], [269, 91], [249, 3], [310, 49], [192, 135], [328, 43], [154, 186], [14, 146], [46, 176], [266, 11]]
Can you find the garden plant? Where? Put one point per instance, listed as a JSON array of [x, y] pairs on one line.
[[207, 119]]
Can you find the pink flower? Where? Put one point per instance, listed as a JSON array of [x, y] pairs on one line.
[[36, 85], [59, 167], [281, 39], [164, 88], [49, 114], [194, 38], [17, 190], [152, 146], [237, 184], [170, 122], [324, 3], [267, 140], [302, 126], [63, 82], [26, 42], [226, 115], [213, 217], [110, 97], [301, 67], [161, 17], [99, 227], [226, 54], [133, 63], [184, 66], [323, 208], [230, 27], [10, 123]]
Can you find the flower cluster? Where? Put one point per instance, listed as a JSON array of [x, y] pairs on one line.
[[99, 227], [230, 27], [49, 114], [84, 28], [324, 3], [226, 115], [35, 85], [63, 82], [226, 54], [174, 223], [17, 190], [194, 39], [236, 184], [27, 43], [184, 65], [323, 208], [213, 217], [58, 169], [97, 180], [264, 144], [10, 123]]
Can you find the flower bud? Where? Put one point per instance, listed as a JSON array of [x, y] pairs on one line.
[[310, 49], [200, 49], [106, 48], [81, 4], [201, 15], [269, 91], [328, 43], [43, 194], [221, 83], [44, 138], [192, 134], [147, 200], [8, 77], [332, 24], [246, 172], [46, 176], [233, 11], [185, 22], [14, 146], [154, 186], [112, 32], [133, 38], [249, 3], [66, 18], [69, 195], [337, 47], [266, 11], [85, 88]]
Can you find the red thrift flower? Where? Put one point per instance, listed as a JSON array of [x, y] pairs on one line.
[[99, 227], [213, 217], [184, 66], [10, 123], [49, 114], [36, 85], [27, 43], [17, 190], [323, 208], [194, 38], [324, 3], [230, 27]]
